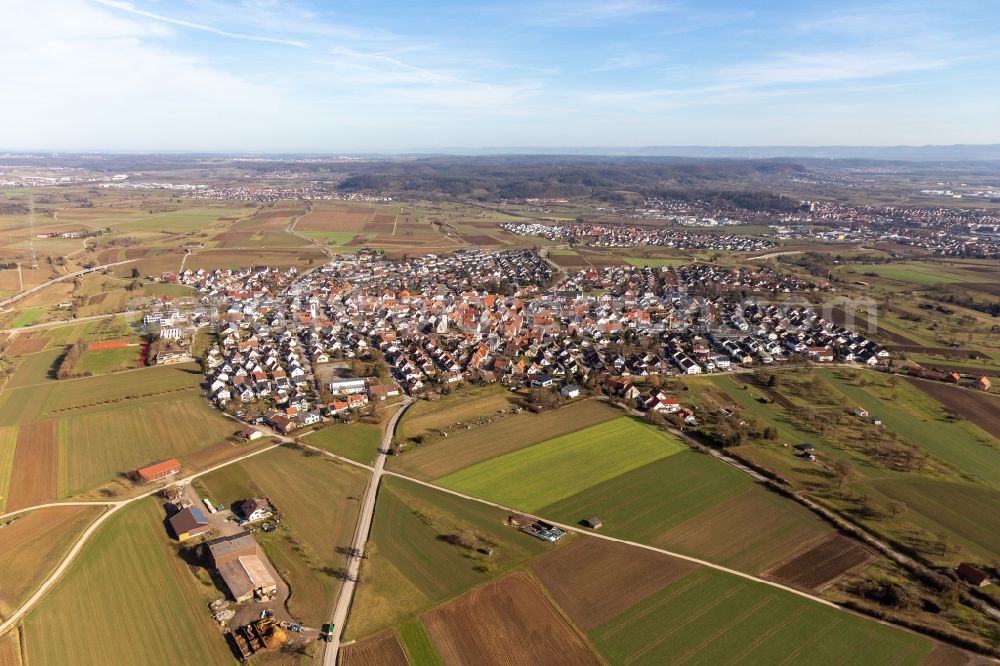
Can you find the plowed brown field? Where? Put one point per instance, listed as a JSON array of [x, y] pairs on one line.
[[505, 622], [35, 479], [381, 650], [594, 580], [23, 346], [980, 407], [822, 563]]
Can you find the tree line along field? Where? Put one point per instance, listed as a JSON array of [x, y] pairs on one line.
[[314, 495], [32, 546], [945, 498], [424, 549], [75, 435], [127, 598]]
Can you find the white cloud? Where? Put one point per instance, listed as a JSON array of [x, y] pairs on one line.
[[131, 9]]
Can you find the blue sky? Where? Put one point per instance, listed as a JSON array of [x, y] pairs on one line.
[[351, 76]]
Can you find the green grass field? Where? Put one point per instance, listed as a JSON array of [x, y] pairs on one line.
[[414, 567], [968, 512], [357, 441], [417, 644], [167, 289], [112, 328], [709, 617], [103, 361], [510, 433], [545, 473], [178, 221], [312, 493], [655, 262], [128, 599], [918, 419], [27, 317], [693, 504], [923, 274], [36, 368]]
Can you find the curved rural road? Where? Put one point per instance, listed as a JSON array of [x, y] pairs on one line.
[[65, 322], [360, 539], [16, 297], [81, 541]]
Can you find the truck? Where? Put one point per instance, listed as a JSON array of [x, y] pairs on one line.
[[328, 631]]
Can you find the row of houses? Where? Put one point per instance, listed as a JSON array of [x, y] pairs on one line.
[[442, 320]]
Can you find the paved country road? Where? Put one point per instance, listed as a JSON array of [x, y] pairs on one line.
[[16, 297], [364, 527], [65, 322]]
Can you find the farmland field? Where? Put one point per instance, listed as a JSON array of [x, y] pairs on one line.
[[103, 361], [8, 444], [128, 598], [313, 493], [10, 648], [415, 565], [818, 566], [709, 617], [418, 644], [464, 448], [357, 441], [381, 650], [558, 468], [506, 622], [468, 403], [919, 419], [36, 369], [33, 545], [967, 511], [98, 443], [34, 479], [653, 262], [979, 407], [23, 346], [693, 504], [920, 273], [27, 317], [594, 580]]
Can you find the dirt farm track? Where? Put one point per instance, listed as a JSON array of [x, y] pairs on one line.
[[979, 407], [505, 622]]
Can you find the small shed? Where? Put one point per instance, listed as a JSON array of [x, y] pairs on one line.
[[158, 471], [972, 575], [593, 523], [804, 448]]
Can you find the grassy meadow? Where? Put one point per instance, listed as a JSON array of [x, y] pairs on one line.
[[539, 475]]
